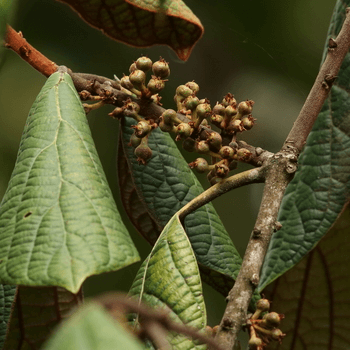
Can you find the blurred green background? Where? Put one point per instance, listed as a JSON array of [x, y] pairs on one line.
[[268, 51]]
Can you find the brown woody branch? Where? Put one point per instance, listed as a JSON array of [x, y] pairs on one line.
[[279, 171]]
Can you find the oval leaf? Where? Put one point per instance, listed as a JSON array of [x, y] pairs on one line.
[[321, 186], [7, 296], [92, 328], [144, 23], [169, 279], [36, 313], [314, 295], [58, 221], [165, 184]]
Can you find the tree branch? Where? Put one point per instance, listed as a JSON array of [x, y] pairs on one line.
[[279, 171]]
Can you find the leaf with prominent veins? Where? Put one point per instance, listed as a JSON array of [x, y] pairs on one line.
[[58, 221], [169, 278], [164, 185]]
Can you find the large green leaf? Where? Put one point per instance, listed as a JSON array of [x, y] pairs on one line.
[[36, 313], [58, 220], [92, 328], [314, 295], [169, 279], [7, 295], [321, 186], [165, 184], [143, 23]]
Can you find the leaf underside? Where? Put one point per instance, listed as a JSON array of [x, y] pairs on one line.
[[164, 185], [7, 296], [321, 187], [143, 23], [58, 221], [314, 295], [37, 312], [91, 328], [169, 279]]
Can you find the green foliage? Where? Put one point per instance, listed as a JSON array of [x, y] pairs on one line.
[[7, 293], [314, 294], [169, 279], [59, 223], [92, 328], [320, 189], [144, 23], [165, 184]]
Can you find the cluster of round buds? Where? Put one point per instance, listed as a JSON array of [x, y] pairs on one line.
[[265, 329], [136, 80], [232, 117]]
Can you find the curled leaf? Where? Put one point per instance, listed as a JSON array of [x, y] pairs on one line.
[[144, 23]]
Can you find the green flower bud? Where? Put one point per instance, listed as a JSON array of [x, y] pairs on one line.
[[245, 107], [183, 91], [244, 155], [126, 83], [219, 109], [142, 129], [132, 67], [143, 152], [230, 111], [169, 116], [202, 147], [263, 305], [235, 126], [200, 165], [277, 334], [144, 63], [137, 78], [193, 86], [165, 127], [134, 140], [183, 130], [191, 102], [226, 152], [215, 140], [216, 119], [255, 343], [229, 100], [248, 122], [155, 85], [271, 320], [203, 110], [161, 69]]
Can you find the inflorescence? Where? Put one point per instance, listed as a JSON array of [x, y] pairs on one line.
[[191, 123]]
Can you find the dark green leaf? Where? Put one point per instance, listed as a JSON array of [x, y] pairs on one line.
[[314, 295], [320, 189], [165, 184], [7, 295], [59, 222], [169, 279], [144, 23], [92, 328], [36, 313]]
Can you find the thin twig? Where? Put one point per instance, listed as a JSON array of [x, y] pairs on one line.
[[238, 180], [279, 171], [27, 52]]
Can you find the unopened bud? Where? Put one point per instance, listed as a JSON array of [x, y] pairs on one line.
[[144, 63], [161, 69], [193, 86], [200, 165]]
